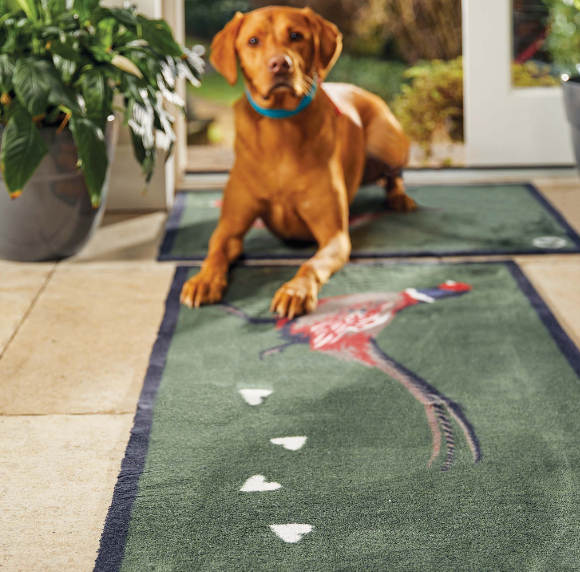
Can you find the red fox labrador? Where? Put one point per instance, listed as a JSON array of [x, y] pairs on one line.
[[302, 148]]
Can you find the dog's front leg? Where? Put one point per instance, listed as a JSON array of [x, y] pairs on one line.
[[330, 229], [239, 211]]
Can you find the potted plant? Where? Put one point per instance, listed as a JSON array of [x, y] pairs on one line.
[[65, 67], [563, 43], [572, 103]]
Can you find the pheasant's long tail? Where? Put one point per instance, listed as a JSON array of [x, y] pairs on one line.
[[443, 418], [438, 408], [467, 428], [435, 433]]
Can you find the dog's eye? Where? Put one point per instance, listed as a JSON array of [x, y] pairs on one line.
[[296, 36], [253, 41]]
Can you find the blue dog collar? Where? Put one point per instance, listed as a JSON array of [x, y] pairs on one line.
[[284, 113]]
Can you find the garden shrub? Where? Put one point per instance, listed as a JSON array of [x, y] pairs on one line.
[[381, 77], [432, 102], [410, 29], [533, 74], [205, 18], [563, 41], [422, 29]]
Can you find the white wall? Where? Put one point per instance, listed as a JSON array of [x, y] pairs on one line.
[[506, 125]]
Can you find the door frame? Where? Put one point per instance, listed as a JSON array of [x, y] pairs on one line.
[[506, 125]]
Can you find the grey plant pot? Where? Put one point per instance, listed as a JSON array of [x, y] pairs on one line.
[[572, 103], [53, 218]]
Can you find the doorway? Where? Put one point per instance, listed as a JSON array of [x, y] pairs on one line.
[[398, 49], [475, 84]]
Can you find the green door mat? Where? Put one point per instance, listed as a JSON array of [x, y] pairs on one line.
[[425, 418], [452, 220]]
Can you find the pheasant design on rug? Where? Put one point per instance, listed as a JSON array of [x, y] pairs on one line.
[[346, 327]]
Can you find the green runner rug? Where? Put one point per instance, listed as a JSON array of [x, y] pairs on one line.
[[451, 220], [425, 417]]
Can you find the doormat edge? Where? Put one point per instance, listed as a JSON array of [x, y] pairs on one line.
[[113, 539]]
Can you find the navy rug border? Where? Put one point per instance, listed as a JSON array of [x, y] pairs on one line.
[[114, 536], [563, 341], [556, 214], [116, 528], [172, 228]]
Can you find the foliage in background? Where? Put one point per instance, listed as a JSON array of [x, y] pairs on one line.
[[206, 18], [422, 29], [411, 30], [381, 77], [532, 74], [62, 67], [563, 41], [433, 102], [343, 13]]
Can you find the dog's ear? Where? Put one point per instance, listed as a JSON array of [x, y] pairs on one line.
[[223, 49], [327, 42]]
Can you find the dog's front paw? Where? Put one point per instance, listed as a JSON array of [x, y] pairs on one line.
[[401, 203], [203, 288], [297, 297]]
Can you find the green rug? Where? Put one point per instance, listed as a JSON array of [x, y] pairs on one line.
[[451, 220], [312, 445]]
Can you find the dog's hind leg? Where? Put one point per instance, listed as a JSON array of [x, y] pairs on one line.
[[377, 170], [397, 197], [387, 144]]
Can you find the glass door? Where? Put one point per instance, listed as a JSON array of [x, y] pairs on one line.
[[514, 54]]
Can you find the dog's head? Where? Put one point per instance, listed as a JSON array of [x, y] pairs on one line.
[[281, 50]]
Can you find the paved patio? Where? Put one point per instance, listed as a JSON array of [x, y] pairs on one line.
[[75, 339]]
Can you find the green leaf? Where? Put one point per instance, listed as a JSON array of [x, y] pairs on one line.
[[84, 8], [93, 90], [160, 37], [147, 157], [29, 8], [92, 152], [97, 95], [125, 16], [13, 5], [195, 63], [40, 83], [65, 68], [66, 50], [183, 70], [6, 73], [142, 125], [49, 32], [147, 63], [11, 43], [62, 95], [22, 150], [31, 86], [57, 7], [131, 87], [100, 53], [106, 32], [69, 22]]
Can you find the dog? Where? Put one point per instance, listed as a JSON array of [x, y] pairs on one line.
[[302, 149]]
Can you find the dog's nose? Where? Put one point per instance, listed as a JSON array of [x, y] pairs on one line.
[[280, 64]]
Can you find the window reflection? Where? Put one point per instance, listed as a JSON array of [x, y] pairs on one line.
[[546, 41]]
